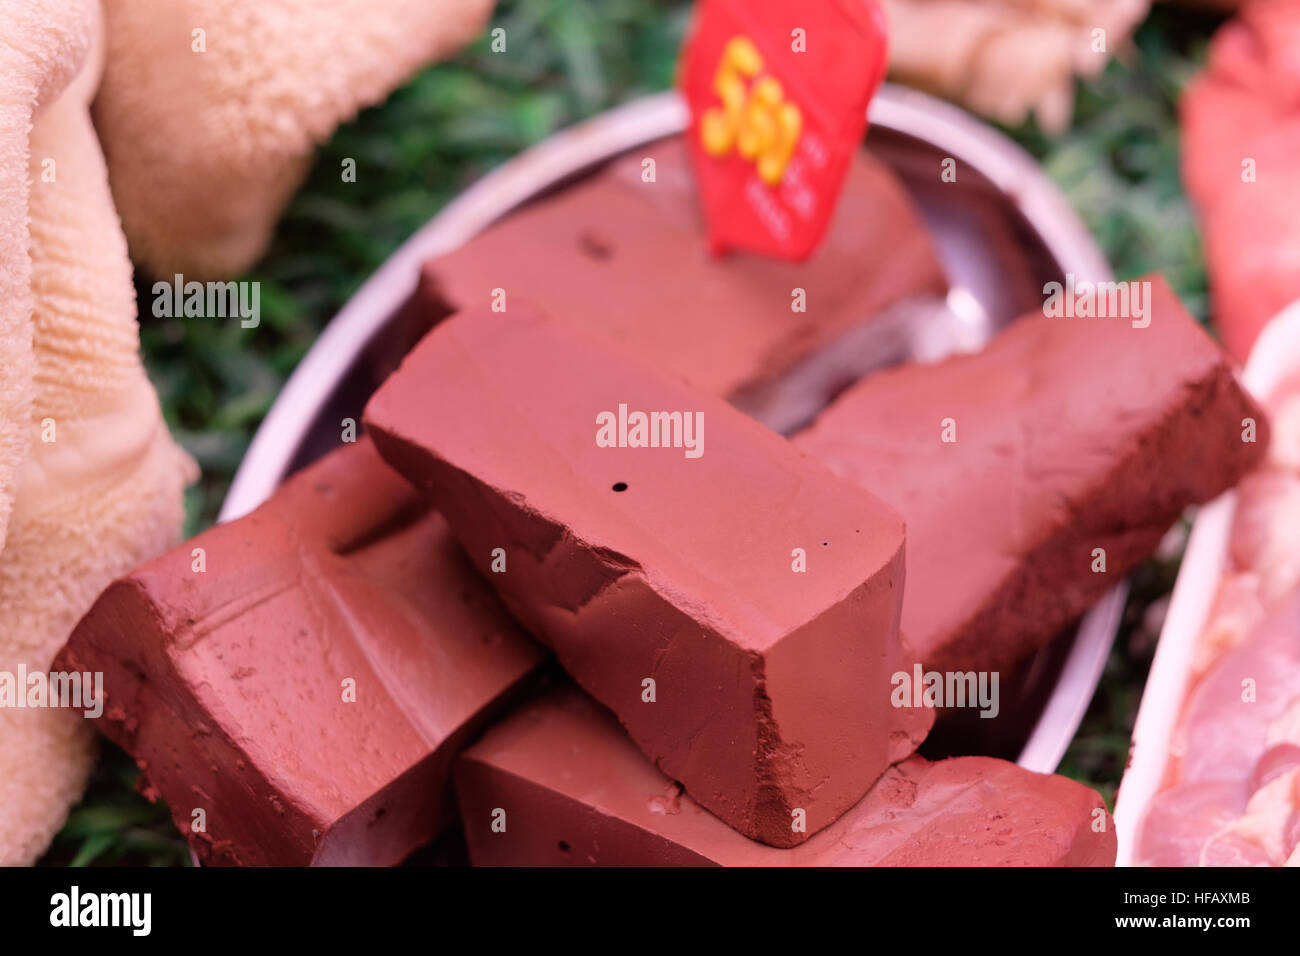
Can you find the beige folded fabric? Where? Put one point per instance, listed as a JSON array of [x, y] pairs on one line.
[[205, 148], [94, 479], [1007, 58]]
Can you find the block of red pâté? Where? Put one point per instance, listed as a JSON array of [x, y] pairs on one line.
[[1037, 473], [626, 258], [727, 596], [294, 684], [558, 783]]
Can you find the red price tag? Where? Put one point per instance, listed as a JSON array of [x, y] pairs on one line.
[[778, 93]]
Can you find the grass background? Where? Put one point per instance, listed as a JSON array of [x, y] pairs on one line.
[[565, 60]]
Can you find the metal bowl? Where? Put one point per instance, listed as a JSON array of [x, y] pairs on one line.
[[1002, 230]]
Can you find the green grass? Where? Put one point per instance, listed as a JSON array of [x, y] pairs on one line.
[[114, 825], [568, 59]]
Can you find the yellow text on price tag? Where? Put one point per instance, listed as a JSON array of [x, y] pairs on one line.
[[755, 119]]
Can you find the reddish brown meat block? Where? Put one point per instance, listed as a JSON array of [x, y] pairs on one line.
[[570, 788], [228, 685], [771, 686], [1072, 434], [629, 260]]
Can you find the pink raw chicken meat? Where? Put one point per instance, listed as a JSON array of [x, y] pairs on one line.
[[1236, 611], [1267, 832], [1235, 797], [1229, 734], [1181, 819], [1246, 106], [1237, 800], [1266, 532]]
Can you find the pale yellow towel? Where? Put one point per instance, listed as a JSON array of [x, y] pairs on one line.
[[205, 147], [106, 492], [42, 44]]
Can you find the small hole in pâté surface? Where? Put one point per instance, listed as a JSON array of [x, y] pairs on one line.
[[597, 247], [825, 543], [564, 846], [620, 486]]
